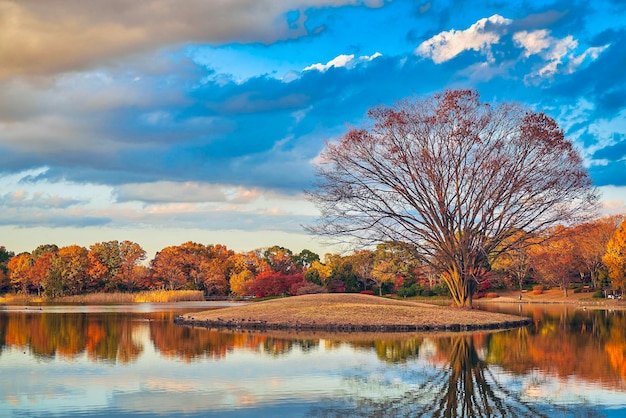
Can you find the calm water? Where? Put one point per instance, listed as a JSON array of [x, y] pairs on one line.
[[131, 361]]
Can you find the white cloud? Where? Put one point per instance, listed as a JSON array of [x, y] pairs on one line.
[[338, 61], [343, 60], [371, 57], [478, 37], [558, 53], [591, 53], [533, 42]]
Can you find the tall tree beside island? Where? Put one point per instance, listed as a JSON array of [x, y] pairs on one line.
[[453, 176]]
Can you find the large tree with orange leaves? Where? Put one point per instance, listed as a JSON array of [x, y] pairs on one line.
[[454, 176]]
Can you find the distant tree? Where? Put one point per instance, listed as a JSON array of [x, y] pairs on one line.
[[362, 262], [591, 240], [305, 258], [5, 256], [342, 278], [130, 254], [71, 264], [272, 283], [615, 258], [553, 259], [453, 176], [19, 272], [392, 261], [318, 273], [238, 282], [168, 268], [280, 259], [45, 275], [515, 262], [104, 265]]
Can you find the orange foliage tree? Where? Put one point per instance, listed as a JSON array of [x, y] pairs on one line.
[[591, 244], [615, 257], [554, 260], [19, 274]]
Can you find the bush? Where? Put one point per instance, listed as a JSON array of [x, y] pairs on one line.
[[306, 288], [440, 290], [413, 290], [538, 289], [367, 292], [598, 294], [492, 295]]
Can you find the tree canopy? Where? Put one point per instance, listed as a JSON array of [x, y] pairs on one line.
[[454, 176]]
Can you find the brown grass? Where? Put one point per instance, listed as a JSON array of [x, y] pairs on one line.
[[152, 296], [350, 309]]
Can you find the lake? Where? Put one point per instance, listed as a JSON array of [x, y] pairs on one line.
[[132, 361]]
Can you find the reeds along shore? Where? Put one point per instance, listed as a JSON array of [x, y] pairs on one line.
[[152, 296]]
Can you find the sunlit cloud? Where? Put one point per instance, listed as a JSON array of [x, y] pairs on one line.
[[478, 37]]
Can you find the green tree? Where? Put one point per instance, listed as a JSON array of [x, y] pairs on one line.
[[453, 176]]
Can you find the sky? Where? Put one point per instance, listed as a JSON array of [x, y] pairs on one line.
[[163, 121]]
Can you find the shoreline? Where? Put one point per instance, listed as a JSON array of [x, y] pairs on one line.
[[346, 313]]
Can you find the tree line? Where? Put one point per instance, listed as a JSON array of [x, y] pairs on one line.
[[591, 254]]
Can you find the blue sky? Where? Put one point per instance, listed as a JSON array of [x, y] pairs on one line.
[[163, 121]]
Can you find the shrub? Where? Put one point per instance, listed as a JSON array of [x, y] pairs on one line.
[[440, 290], [305, 288], [538, 289], [598, 294], [492, 295], [367, 292], [413, 290]]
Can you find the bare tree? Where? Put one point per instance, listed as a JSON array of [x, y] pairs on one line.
[[453, 176]]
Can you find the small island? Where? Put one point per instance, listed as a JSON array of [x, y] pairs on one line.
[[349, 313]]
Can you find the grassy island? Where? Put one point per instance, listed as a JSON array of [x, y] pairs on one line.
[[347, 313]]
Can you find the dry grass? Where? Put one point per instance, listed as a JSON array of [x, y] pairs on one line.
[[11, 299], [152, 296], [351, 309]]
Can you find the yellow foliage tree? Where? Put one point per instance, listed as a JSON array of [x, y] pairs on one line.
[[238, 281], [615, 257]]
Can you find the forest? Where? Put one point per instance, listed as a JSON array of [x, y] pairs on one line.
[[585, 257]]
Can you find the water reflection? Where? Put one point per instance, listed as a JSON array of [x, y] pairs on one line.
[[569, 363]]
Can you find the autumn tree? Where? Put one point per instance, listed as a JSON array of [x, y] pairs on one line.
[[104, 264], [19, 272], [305, 258], [280, 259], [362, 262], [515, 261], [318, 273], [591, 240], [169, 268], [393, 261], [70, 269], [238, 281], [553, 259], [615, 258], [453, 176], [130, 255]]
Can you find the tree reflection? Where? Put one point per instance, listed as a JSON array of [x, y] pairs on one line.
[[466, 388], [105, 337], [462, 385]]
